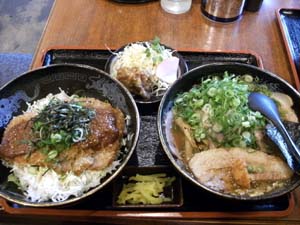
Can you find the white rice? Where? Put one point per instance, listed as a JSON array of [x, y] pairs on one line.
[[41, 184]]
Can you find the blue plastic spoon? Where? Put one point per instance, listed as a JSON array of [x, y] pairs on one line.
[[265, 105]]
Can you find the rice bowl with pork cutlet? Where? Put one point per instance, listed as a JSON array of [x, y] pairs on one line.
[[62, 146]]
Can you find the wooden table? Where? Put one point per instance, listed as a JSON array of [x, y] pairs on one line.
[[102, 24]]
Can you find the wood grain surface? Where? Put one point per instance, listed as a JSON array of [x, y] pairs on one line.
[[102, 24], [106, 24]]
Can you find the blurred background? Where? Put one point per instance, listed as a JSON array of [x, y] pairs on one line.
[[22, 23], [21, 26]]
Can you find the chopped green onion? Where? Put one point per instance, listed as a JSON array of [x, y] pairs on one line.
[[217, 128], [255, 169], [55, 137], [220, 104], [248, 78], [52, 154], [212, 91], [59, 125]]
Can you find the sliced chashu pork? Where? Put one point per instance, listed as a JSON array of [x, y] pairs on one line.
[[285, 106], [227, 169]]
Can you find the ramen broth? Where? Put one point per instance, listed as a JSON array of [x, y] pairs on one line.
[[179, 141], [236, 170], [256, 189]]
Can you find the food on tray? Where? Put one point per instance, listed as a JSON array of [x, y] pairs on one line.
[[223, 142], [145, 68], [145, 189], [62, 146], [225, 169]]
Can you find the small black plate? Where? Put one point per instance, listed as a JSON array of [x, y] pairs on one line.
[[174, 191], [182, 68]]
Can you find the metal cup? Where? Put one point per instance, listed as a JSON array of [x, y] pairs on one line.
[[253, 5], [222, 10]]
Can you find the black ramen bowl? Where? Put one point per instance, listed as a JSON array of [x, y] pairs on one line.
[[182, 68], [73, 79], [195, 76]]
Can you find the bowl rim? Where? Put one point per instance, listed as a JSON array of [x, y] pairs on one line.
[[115, 173], [190, 176], [182, 61]]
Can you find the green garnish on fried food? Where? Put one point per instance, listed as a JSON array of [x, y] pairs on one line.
[[155, 51], [59, 125]]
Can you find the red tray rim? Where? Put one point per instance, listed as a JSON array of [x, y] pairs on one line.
[[147, 214], [154, 213], [296, 76]]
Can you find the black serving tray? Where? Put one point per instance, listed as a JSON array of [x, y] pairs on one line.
[[289, 24], [97, 58], [197, 203]]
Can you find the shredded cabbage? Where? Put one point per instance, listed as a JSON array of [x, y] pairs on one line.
[[145, 57], [140, 56], [42, 184]]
